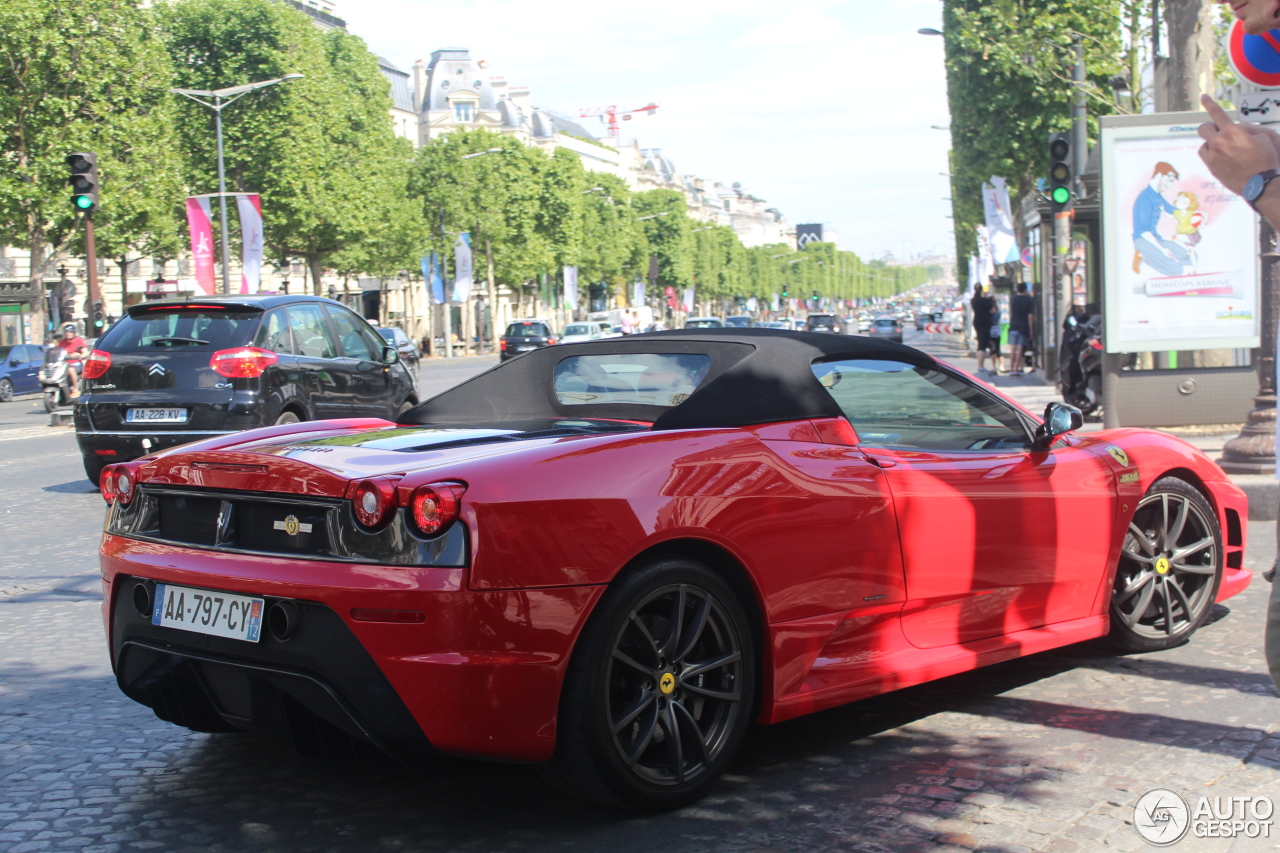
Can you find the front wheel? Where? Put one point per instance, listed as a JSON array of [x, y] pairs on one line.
[[51, 396], [6, 390], [1170, 569], [660, 691]]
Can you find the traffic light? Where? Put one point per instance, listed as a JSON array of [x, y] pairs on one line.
[[785, 294], [99, 315], [84, 181], [1060, 177]]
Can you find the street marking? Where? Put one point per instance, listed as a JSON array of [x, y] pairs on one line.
[[33, 432]]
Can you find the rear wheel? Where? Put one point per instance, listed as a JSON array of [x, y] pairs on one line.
[[93, 466], [6, 390], [660, 691], [1170, 569], [288, 418]]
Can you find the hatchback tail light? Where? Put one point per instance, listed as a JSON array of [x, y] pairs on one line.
[[118, 483], [374, 502], [242, 362], [550, 341], [97, 364], [434, 507], [502, 344]]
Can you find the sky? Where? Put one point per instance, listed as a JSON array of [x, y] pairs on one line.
[[825, 109]]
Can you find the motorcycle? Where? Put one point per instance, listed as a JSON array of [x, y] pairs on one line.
[[55, 379], [1080, 364]]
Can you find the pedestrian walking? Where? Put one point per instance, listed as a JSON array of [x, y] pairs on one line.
[[1021, 319], [1245, 158], [986, 324], [627, 326]]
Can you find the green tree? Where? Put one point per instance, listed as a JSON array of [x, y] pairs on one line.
[[320, 150], [664, 220], [83, 75], [1009, 86]]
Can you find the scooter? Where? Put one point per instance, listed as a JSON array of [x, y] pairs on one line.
[[1080, 365], [55, 379]]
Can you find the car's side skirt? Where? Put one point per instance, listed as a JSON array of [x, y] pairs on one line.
[[877, 658]]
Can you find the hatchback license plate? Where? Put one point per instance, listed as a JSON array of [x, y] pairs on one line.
[[156, 416], [207, 611]]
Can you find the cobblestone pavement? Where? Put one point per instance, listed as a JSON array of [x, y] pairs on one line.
[[1048, 753]]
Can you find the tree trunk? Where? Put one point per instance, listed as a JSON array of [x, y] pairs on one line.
[[39, 319], [493, 296], [317, 271], [1190, 24]]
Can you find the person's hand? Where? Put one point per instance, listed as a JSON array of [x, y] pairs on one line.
[[1233, 152]]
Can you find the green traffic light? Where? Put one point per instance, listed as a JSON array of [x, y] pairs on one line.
[[1061, 195], [84, 202]]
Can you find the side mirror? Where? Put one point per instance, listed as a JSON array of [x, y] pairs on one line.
[[1059, 419], [390, 355], [13, 362]]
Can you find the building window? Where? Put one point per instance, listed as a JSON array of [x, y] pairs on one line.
[[464, 111]]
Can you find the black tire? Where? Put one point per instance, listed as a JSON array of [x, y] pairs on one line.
[[288, 416], [658, 681], [1170, 569], [51, 397], [93, 466], [6, 390], [404, 407]]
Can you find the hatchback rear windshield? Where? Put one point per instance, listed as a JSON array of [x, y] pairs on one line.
[[704, 324], [647, 379], [181, 328], [886, 322], [581, 329], [528, 330]]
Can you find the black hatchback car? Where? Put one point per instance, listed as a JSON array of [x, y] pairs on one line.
[[176, 371], [524, 336]]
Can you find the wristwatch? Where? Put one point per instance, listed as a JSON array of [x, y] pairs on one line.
[[1257, 185]]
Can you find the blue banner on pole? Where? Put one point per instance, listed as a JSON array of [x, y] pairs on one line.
[[432, 276]]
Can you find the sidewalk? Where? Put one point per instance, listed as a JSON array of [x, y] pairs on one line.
[[1035, 393]]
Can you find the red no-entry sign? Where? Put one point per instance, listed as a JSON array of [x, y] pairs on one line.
[[1255, 58]]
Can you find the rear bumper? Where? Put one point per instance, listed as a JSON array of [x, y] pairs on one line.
[[480, 675], [128, 445]]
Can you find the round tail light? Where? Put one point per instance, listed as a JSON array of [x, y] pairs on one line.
[[106, 480], [434, 507], [374, 501], [123, 487]]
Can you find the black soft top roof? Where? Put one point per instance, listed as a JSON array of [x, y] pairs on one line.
[[757, 376]]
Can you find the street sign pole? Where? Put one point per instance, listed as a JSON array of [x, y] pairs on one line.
[[91, 259]]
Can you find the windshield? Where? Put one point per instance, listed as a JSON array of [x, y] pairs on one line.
[[528, 330], [579, 329], [704, 324], [201, 329], [388, 334], [740, 322], [4, 352], [649, 379]]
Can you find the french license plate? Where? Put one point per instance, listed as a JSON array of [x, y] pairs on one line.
[[156, 416], [206, 611]]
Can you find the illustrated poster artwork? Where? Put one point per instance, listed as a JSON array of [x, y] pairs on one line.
[[1182, 256]]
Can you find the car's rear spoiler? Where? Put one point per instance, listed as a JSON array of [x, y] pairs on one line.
[[143, 308]]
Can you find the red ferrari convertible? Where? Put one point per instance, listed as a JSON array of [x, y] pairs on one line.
[[613, 557]]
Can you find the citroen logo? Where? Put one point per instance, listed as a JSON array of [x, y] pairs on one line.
[[156, 370]]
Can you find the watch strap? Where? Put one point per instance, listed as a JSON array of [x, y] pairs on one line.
[[1267, 177]]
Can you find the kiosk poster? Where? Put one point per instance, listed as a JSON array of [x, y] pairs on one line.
[[1181, 249]]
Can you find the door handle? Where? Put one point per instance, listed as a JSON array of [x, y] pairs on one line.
[[882, 463]]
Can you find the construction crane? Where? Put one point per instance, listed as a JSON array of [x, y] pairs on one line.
[[611, 115]]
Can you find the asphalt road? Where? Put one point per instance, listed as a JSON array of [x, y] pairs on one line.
[[1045, 753]]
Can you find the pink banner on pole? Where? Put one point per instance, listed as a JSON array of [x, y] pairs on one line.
[[250, 207], [200, 221]]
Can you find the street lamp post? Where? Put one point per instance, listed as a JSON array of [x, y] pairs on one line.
[[225, 98]]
